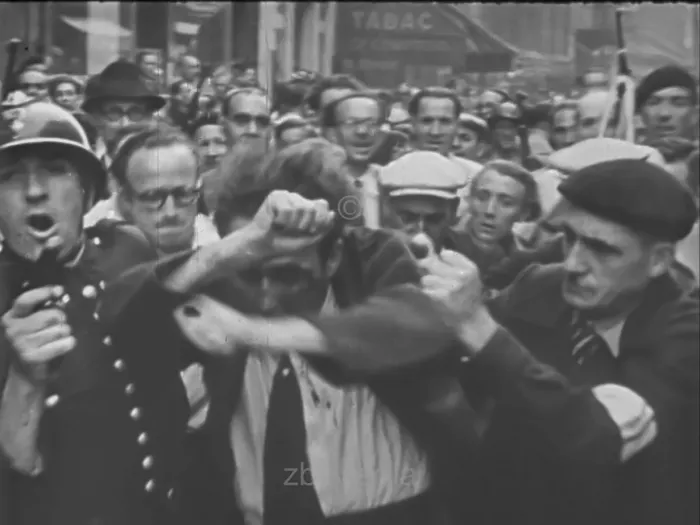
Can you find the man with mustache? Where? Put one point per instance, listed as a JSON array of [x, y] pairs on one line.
[[155, 169], [610, 325]]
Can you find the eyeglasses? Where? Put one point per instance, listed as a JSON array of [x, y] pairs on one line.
[[133, 114], [182, 196], [25, 86], [245, 119], [370, 125]]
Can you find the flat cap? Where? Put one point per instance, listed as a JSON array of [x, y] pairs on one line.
[[597, 150], [423, 173], [635, 194]]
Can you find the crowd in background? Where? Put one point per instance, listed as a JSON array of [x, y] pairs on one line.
[[509, 212]]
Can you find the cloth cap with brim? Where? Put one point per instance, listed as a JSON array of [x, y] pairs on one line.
[[44, 124], [636, 194], [120, 80], [597, 150], [424, 173]]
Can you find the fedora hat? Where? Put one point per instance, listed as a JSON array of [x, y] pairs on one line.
[[120, 80]]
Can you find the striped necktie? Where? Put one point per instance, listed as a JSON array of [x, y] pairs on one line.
[[585, 340]]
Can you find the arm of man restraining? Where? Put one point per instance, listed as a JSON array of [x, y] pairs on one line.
[[610, 422], [397, 328], [21, 407]]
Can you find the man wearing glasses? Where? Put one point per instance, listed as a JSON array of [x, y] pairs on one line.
[[155, 172], [118, 98], [247, 114], [353, 122]]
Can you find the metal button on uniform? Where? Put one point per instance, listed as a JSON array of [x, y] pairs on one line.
[[171, 493], [285, 372], [142, 439], [464, 359], [150, 486], [97, 241], [89, 292], [147, 462], [96, 316], [52, 401], [129, 389], [107, 341], [119, 365], [101, 284], [25, 284], [135, 413]]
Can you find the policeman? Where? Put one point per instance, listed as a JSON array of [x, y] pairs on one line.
[[93, 412]]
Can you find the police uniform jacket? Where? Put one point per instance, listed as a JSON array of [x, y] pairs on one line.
[[114, 421]]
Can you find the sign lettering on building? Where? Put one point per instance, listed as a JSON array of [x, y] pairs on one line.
[[392, 21]]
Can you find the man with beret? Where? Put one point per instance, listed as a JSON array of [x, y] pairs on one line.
[[611, 327], [666, 100], [116, 98]]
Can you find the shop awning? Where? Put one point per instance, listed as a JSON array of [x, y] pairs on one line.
[[486, 52], [97, 27]]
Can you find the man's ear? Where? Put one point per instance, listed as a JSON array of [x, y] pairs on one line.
[[662, 256]]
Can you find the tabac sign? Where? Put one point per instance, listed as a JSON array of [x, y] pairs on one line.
[[405, 18]]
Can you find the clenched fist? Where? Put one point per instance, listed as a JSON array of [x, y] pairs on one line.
[[38, 336], [287, 222], [454, 280]]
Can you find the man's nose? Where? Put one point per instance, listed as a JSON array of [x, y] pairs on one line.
[[36, 188], [169, 208], [491, 207], [434, 128], [575, 259]]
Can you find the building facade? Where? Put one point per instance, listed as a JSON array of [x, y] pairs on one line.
[[83, 37]]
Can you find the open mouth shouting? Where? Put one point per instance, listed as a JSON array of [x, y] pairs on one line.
[[41, 226]]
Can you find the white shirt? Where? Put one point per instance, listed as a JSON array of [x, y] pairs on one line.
[[371, 197], [360, 456]]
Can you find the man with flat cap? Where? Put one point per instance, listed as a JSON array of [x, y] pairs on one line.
[[609, 326], [421, 192]]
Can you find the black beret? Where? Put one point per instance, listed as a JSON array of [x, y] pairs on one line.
[[662, 78], [635, 194]]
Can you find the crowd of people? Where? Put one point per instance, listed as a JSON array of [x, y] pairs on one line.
[[347, 307]]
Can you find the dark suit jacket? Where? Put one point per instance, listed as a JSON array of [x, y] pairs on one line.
[[551, 454]]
